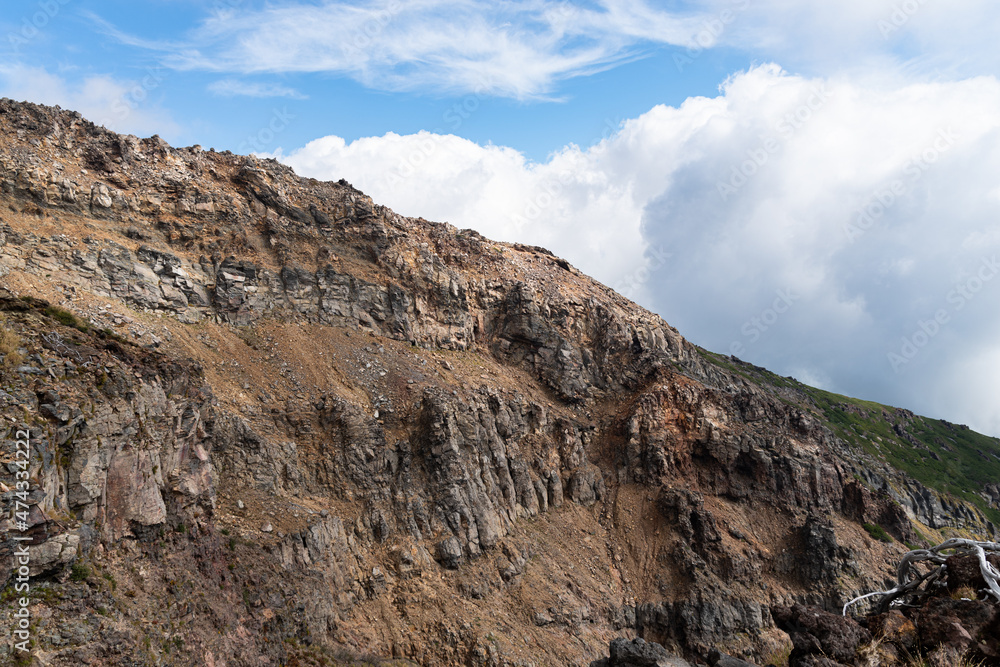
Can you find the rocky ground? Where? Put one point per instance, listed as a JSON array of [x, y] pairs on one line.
[[951, 620], [275, 423]]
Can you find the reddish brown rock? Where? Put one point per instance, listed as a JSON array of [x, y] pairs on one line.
[[965, 572], [955, 624], [896, 628], [818, 632]]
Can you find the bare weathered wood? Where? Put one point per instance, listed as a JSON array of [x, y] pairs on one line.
[[909, 579]]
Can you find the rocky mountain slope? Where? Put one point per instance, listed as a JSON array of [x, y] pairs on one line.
[[273, 422]]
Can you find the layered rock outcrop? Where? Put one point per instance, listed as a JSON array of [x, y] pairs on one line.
[[273, 421]]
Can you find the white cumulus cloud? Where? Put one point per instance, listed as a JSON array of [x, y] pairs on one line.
[[842, 232]]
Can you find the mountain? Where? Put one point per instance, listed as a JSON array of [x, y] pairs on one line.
[[274, 423]]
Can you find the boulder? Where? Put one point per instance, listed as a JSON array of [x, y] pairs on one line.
[[639, 653], [895, 628], [816, 632], [449, 553], [955, 624]]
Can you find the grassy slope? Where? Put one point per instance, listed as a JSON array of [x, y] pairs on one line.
[[948, 458]]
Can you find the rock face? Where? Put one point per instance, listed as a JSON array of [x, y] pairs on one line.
[[817, 634], [274, 423], [943, 630], [638, 653]]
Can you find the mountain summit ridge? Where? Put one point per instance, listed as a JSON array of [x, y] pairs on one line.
[[357, 433]]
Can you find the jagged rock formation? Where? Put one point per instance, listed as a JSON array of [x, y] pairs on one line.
[[273, 421], [945, 630], [638, 653]]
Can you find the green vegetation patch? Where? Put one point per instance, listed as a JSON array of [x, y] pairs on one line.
[[878, 532], [67, 318], [80, 572], [949, 458]]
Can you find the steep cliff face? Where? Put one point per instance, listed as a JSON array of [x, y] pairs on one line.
[[273, 422]]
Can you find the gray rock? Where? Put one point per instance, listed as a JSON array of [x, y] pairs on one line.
[[54, 554], [819, 633], [459, 467], [542, 619], [639, 653], [449, 553], [719, 659]]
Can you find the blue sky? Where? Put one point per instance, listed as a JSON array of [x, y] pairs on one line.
[[176, 67], [814, 187]]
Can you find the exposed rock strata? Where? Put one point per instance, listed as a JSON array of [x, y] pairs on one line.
[[313, 425]]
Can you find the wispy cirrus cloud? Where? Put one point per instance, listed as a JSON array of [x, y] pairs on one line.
[[236, 88], [523, 49], [518, 49], [955, 39]]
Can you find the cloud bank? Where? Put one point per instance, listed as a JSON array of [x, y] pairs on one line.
[[843, 233]]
